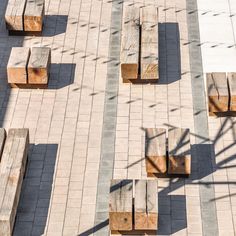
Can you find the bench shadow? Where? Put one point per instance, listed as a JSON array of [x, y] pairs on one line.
[[36, 190]]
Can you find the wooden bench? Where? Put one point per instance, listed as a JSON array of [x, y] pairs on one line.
[[12, 169], [130, 44], [155, 151], [133, 206], [29, 68], [218, 93], [149, 44], [232, 91], [179, 151], [24, 16]]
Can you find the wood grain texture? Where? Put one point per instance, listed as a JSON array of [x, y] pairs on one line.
[[232, 90], [179, 146], [12, 170], [33, 15], [130, 44], [155, 150], [120, 206], [14, 15], [145, 205], [218, 94], [17, 65], [2, 140], [39, 65]]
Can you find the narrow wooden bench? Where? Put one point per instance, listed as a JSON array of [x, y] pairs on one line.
[[149, 44], [155, 151], [12, 170], [232, 91], [218, 93], [130, 44], [179, 151], [133, 207]]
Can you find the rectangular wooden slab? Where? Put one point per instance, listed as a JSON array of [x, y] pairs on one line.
[[155, 150], [218, 93], [33, 16], [232, 90], [146, 205], [12, 170], [179, 146], [17, 65], [14, 15], [39, 65], [120, 206], [130, 44]]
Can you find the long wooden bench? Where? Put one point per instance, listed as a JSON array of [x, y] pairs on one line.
[[12, 169], [232, 91], [133, 206]]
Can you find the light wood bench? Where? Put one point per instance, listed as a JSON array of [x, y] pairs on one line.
[[232, 91], [179, 151], [218, 93], [133, 206], [12, 169], [155, 151]]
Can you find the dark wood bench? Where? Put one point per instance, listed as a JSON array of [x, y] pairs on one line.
[[29, 68], [133, 206], [12, 169]]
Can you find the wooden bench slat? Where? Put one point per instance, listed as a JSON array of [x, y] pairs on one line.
[[155, 150], [145, 205], [39, 65], [120, 207], [12, 170], [17, 65], [232, 89], [179, 151], [33, 16], [130, 44]]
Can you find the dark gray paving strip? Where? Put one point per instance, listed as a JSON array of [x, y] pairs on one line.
[[202, 151], [109, 124]]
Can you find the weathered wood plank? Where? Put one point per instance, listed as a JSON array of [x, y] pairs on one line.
[[130, 44], [14, 15], [17, 65], [12, 170], [149, 44], [2, 140], [179, 151], [39, 65], [155, 150], [120, 207], [232, 90], [145, 205], [33, 16], [218, 94]]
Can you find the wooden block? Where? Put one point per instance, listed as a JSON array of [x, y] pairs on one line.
[[33, 16], [145, 205], [14, 15], [39, 65], [149, 44], [2, 140], [218, 94], [17, 65], [12, 170], [120, 207], [155, 150], [232, 90], [130, 44], [179, 151]]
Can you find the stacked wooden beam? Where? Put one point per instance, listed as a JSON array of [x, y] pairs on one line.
[[29, 68]]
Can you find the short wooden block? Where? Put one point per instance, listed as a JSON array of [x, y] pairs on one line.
[[179, 146], [130, 44], [2, 140], [17, 65], [14, 15], [155, 150], [12, 170], [145, 205], [218, 94], [33, 16], [39, 65], [232, 90], [120, 207], [149, 44]]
